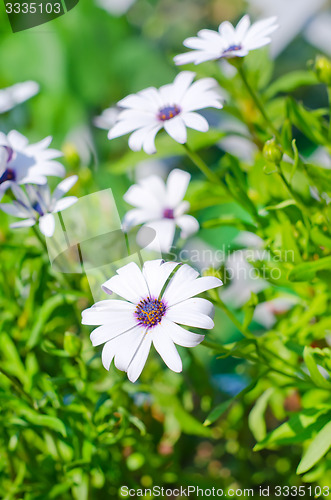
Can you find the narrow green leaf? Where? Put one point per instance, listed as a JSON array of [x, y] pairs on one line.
[[316, 450], [307, 270], [315, 374]]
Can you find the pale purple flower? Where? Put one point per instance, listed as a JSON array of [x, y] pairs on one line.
[[150, 314], [161, 207], [172, 107], [37, 205], [24, 163], [227, 42]]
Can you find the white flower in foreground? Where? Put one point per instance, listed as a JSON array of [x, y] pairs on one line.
[[130, 327], [16, 94], [161, 207], [171, 107], [37, 204], [227, 42], [25, 163]]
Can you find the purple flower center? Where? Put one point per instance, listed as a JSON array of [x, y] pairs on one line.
[[149, 312], [168, 112], [168, 213], [233, 48], [8, 175], [37, 207]]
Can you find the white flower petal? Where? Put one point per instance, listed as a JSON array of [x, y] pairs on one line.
[[138, 362], [166, 348], [149, 141], [180, 336], [177, 184], [130, 343], [126, 126], [15, 209], [118, 316], [181, 84], [129, 283], [135, 217], [164, 235], [65, 203], [64, 186], [23, 223], [188, 224], [156, 273], [187, 313], [195, 121], [183, 286], [175, 127], [47, 225], [109, 331], [242, 27]]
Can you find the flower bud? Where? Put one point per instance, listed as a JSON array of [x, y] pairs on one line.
[[323, 69], [272, 152]]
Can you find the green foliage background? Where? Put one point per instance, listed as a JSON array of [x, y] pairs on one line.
[[70, 429]]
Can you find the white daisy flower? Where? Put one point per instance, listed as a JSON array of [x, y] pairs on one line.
[[150, 314], [161, 207], [25, 163], [37, 204], [171, 107], [228, 42], [16, 94]]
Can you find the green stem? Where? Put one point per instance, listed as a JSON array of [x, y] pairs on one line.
[[198, 161], [257, 101], [216, 300]]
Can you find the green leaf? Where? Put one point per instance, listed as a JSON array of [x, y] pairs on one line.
[[316, 450], [308, 122], [256, 421], [320, 177], [45, 312], [315, 374], [297, 429], [218, 412], [290, 82], [47, 421], [320, 238], [307, 270]]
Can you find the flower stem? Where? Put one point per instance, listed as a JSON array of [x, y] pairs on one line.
[[257, 101], [216, 300], [198, 161]]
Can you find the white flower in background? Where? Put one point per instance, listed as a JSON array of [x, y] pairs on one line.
[[130, 327], [244, 279], [16, 94], [161, 207], [171, 107], [25, 163], [227, 42], [37, 204], [107, 119], [266, 313], [115, 7]]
